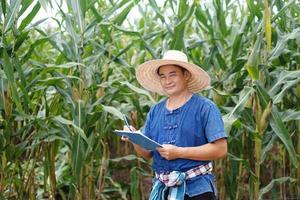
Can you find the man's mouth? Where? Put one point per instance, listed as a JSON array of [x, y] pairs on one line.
[[169, 87]]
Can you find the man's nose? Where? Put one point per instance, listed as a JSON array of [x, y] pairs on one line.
[[168, 80]]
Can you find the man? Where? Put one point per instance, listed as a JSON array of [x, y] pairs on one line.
[[188, 126]]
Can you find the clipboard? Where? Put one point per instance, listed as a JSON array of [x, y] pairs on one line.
[[140, 139]]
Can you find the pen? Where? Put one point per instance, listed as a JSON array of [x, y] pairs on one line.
[[126, 122]]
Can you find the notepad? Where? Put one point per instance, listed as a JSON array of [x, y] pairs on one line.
[[138, 138]]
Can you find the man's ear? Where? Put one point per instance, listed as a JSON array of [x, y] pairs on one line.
[[187, 74]]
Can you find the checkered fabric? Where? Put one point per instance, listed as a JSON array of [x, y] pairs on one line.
[[175, 182], [170, 178]]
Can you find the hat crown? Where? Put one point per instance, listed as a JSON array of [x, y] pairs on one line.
[[175, 55]]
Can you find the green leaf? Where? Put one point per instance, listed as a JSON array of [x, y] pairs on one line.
[[3, 6], [178, 36], [30, 16], [11, 14], [117, 6], [71, 30], [9, 72], [21, 39], [130, 157], [127, 32], [122, 16], [255, 9], [160, 15], [77, 129], [220, 18], [138, 90], [281, 180], [280, 47], [44, 4], [23, 85], [267, 148], [282, 11], [96, 14], [134, 183], [243, 97], [182, 8], [281, 131], [113, 111], [267, 22], [287, 86], [78, 158], [228, 122], [290, 115], [283, 80], [253, 60], [24, 6], [76, 7], [277, 124], [202, 18], [237, 42]]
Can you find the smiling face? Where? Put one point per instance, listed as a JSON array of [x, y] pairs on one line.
[[173, 79]]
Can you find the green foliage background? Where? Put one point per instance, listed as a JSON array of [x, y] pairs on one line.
[[63, 88]]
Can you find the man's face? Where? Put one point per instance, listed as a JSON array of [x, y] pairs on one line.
[[173, 79]]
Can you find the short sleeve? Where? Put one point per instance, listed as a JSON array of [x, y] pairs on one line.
[[147, 125], [212, 123]]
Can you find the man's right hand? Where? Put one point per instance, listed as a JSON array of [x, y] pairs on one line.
[[125, 128], [140, 151]]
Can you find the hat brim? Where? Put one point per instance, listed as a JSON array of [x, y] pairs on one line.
[[147, 76]]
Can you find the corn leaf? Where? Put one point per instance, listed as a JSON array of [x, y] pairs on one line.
[[290, 115], [77, 129], [44, 4], [177, 41], [122, 16], [253, 60], [76, 7], [277, 124], [138, 90], [134, 183], [78, 158], [267, 21], [284, 80], [3, 7], [11, 14], [24, 5], [282, 42], [9, 72], [30, 16], [268, 187], [113, 111]]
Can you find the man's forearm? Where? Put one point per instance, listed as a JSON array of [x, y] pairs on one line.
[[142, 152], [210, 151]]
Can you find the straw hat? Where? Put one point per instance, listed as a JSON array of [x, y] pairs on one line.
[[147, 76]]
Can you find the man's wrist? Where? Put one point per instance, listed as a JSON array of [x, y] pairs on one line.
[[180, 152]]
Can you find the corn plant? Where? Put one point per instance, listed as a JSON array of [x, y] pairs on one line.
[[63, 89]]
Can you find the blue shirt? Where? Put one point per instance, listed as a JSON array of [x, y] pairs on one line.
[[196, 123]]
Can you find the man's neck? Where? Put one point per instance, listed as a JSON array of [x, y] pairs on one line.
[[177, 100]]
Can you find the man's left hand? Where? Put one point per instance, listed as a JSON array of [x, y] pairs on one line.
[[169, 152]]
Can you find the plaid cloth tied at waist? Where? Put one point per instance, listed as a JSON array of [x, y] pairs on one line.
[[171, 179], [173, 183]]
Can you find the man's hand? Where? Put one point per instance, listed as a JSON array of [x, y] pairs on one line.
[[169, 152], [125, 128], [140, 151]]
